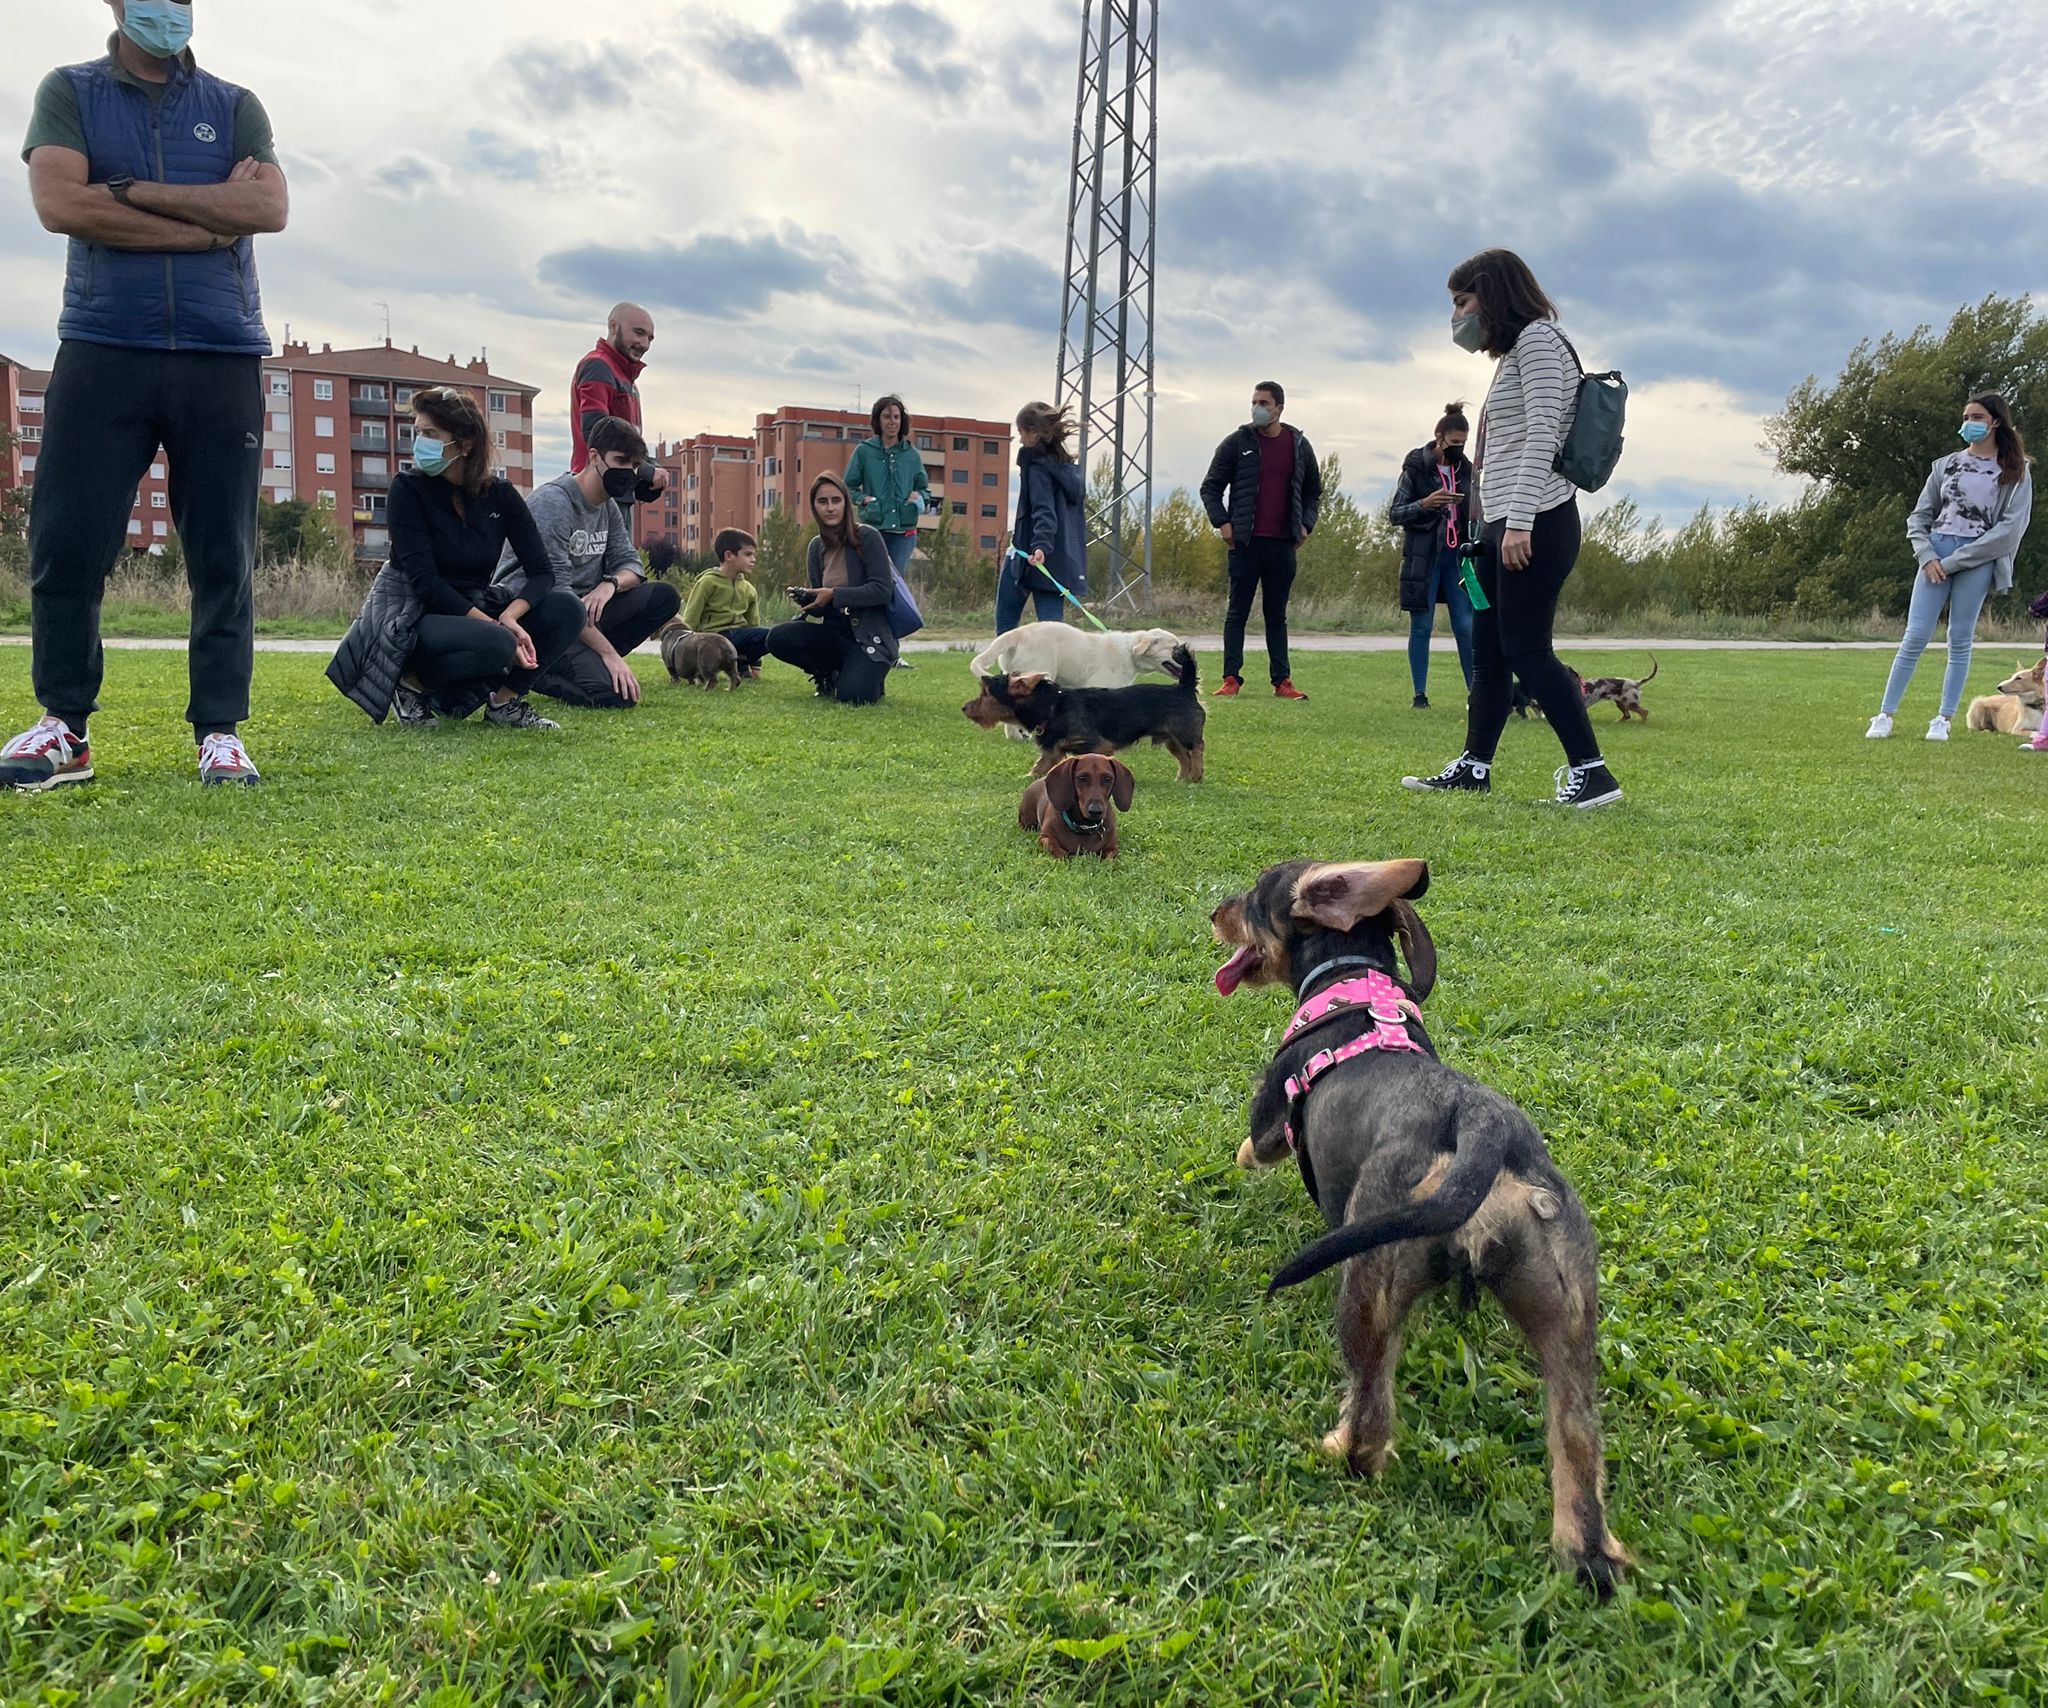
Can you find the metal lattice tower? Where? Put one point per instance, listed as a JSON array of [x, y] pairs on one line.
[[1106, 366]]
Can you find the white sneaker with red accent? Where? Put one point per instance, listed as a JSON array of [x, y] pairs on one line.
[[223, 759], [43, 757]]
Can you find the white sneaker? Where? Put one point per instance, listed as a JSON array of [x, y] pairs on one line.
[[223, 759], [1937, 729], [1880, 727]]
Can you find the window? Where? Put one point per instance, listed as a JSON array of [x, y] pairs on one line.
[[498, 438], [371, 391], [32, 436], [156, 471], [134, 527], [280, 385], [497, 402], [323, 426], [280, 424], [326, 499], [160, 530], [280, 495], [988, 512], [925, 442], [959, 444], [405, 397], [991, 447], [157, 501], [988, 542], [374, 434], [989, 478], [375, 465], [959, 477], [323, 391], [280, 459], [31, 403], [323, 462], [28, 465], [375, 505], [774, 466]]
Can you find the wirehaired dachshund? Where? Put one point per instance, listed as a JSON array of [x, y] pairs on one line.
[[1073, 807], [1065, 721], [1424, 1176], [1623, 691]]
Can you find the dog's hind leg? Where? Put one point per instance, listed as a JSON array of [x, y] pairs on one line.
[[1373, 1302], [1553, 1295]]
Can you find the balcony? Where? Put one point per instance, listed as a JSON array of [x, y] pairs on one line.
[[372, 482], [378, 446], [372, 554], [369, 406]]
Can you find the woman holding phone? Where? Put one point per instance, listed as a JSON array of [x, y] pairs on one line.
[[1530, 541], [843, 640], [1429, 505]]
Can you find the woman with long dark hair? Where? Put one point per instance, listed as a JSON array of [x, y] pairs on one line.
[[1428, 506], [1531, 527], [887, 479], [1972, 514], [1048, 542], [843, 639]]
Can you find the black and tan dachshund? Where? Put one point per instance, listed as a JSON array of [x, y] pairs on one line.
[[1065, 721], [1424, 1176]]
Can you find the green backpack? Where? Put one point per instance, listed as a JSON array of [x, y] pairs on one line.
[[1593, 446]]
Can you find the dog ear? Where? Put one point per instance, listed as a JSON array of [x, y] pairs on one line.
[[1122, 785], [1059, 786], [1023, 685], [1340, 895], [1418, 950]]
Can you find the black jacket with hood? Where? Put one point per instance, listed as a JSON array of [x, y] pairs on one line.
[[1422, 536], [1051, 500]]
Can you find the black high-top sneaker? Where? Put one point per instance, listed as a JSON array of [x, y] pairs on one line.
[[1464, 772], [1588, 785]]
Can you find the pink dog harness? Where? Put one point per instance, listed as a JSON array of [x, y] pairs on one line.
[[1386, 1002]]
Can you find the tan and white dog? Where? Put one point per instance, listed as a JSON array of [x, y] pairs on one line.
[[2017, 706], [1069, 657]]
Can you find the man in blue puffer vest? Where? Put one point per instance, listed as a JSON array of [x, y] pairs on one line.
[[160, 174]]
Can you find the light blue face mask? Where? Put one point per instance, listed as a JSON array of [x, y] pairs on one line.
[[161, 28], [1975, 432], [430, 456]]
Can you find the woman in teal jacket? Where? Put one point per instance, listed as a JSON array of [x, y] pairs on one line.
[[887, 480]]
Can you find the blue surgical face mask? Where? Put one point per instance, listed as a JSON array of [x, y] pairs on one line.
[[430, 456], [161, 28], [1975, 432]]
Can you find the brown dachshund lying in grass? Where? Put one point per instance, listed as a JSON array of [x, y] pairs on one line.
[[1073, 807]]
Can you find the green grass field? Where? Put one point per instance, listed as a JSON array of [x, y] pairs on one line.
[[699, 1210]]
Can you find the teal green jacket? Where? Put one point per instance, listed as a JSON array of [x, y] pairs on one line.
[[881, 479]]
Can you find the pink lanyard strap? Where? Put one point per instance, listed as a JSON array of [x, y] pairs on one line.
[[1447, 478]]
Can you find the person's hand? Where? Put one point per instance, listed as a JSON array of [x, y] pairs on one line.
[[522, 643], [659, 479], [624, 683], [598, 598], [1933, 571], [1514, 548], [1301, 536], [1228, 534], [1038, 558], [821, 597], [244, 170], [1438, 499]]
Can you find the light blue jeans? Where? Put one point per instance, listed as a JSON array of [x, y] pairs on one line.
[[1446, 583], [1010, 597], [1964, 595]]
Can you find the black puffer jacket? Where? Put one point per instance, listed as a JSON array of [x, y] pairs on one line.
[[371, 658], [1422, 530], [1235, 468]]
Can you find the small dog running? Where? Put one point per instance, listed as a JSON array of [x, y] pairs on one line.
[[1621, 690], [1072, 721], [1073, 807], [699, 658], [1424, 1176]]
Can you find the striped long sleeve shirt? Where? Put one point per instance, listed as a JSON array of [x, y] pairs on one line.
[[1529, 410]]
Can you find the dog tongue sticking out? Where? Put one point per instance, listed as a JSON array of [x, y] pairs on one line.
[[1236, 970]]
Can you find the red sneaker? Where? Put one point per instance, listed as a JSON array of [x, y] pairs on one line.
[[44, 757], [1287, 691], [1228, 691]]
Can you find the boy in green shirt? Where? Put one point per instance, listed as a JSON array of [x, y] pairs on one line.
[[723, 601]]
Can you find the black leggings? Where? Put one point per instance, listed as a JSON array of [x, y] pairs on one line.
[[457, 653], [827, 650], [1512, 637]]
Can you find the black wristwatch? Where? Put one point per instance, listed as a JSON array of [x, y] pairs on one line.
[[608, 575], [120, 187]]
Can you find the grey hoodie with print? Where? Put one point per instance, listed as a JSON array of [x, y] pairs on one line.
[[583, 540]]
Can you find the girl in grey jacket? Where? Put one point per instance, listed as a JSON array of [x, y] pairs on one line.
[[1965, 530]]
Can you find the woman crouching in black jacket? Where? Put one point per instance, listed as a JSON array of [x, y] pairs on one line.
[[1429, 506], [843, 639]]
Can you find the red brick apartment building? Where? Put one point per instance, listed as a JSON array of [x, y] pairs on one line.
[[711, 486], [337, 427]]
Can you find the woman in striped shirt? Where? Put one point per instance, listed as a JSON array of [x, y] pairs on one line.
[[1530, 527]]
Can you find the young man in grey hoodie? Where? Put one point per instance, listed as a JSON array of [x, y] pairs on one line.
[[590, 544]]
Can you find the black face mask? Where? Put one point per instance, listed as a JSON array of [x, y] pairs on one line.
[[620, 483]]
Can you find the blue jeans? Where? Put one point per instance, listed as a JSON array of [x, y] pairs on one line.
[[901, 547], [1047, 607], [1447, 584], [1964, 594]]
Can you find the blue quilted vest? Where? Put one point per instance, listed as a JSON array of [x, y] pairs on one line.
[[151, 300]]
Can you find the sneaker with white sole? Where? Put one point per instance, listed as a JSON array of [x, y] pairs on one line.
[[45, 757], [412, 708], [1586, 786], [1464, 774], [223, 759], [1880, 727], [1937, 729], [517, 714]]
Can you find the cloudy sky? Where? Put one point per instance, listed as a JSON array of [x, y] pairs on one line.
[[824, 199]]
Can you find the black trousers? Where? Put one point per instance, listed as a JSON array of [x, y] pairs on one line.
[[106, 414], [1266, 567], [631, 617], [827, 651], [460, 660], [1512, 637]]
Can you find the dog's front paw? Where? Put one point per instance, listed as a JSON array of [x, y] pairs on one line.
[[1337, 1444], [1247, 1155]]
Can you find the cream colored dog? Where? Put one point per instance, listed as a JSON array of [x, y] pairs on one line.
[[2017, 706], [1074, 658]]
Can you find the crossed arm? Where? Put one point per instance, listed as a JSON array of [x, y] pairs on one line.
[[252, 199]]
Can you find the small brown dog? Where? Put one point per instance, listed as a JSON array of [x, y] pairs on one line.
[[1073, 807], [698, 658], [1622, 691], [2016, 708]]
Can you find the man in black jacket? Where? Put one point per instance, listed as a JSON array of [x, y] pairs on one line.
[[1275, 489]]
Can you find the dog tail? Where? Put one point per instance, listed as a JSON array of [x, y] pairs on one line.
[[985, 663], [1464, 1187], [1184, 662], [1653, 670]]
